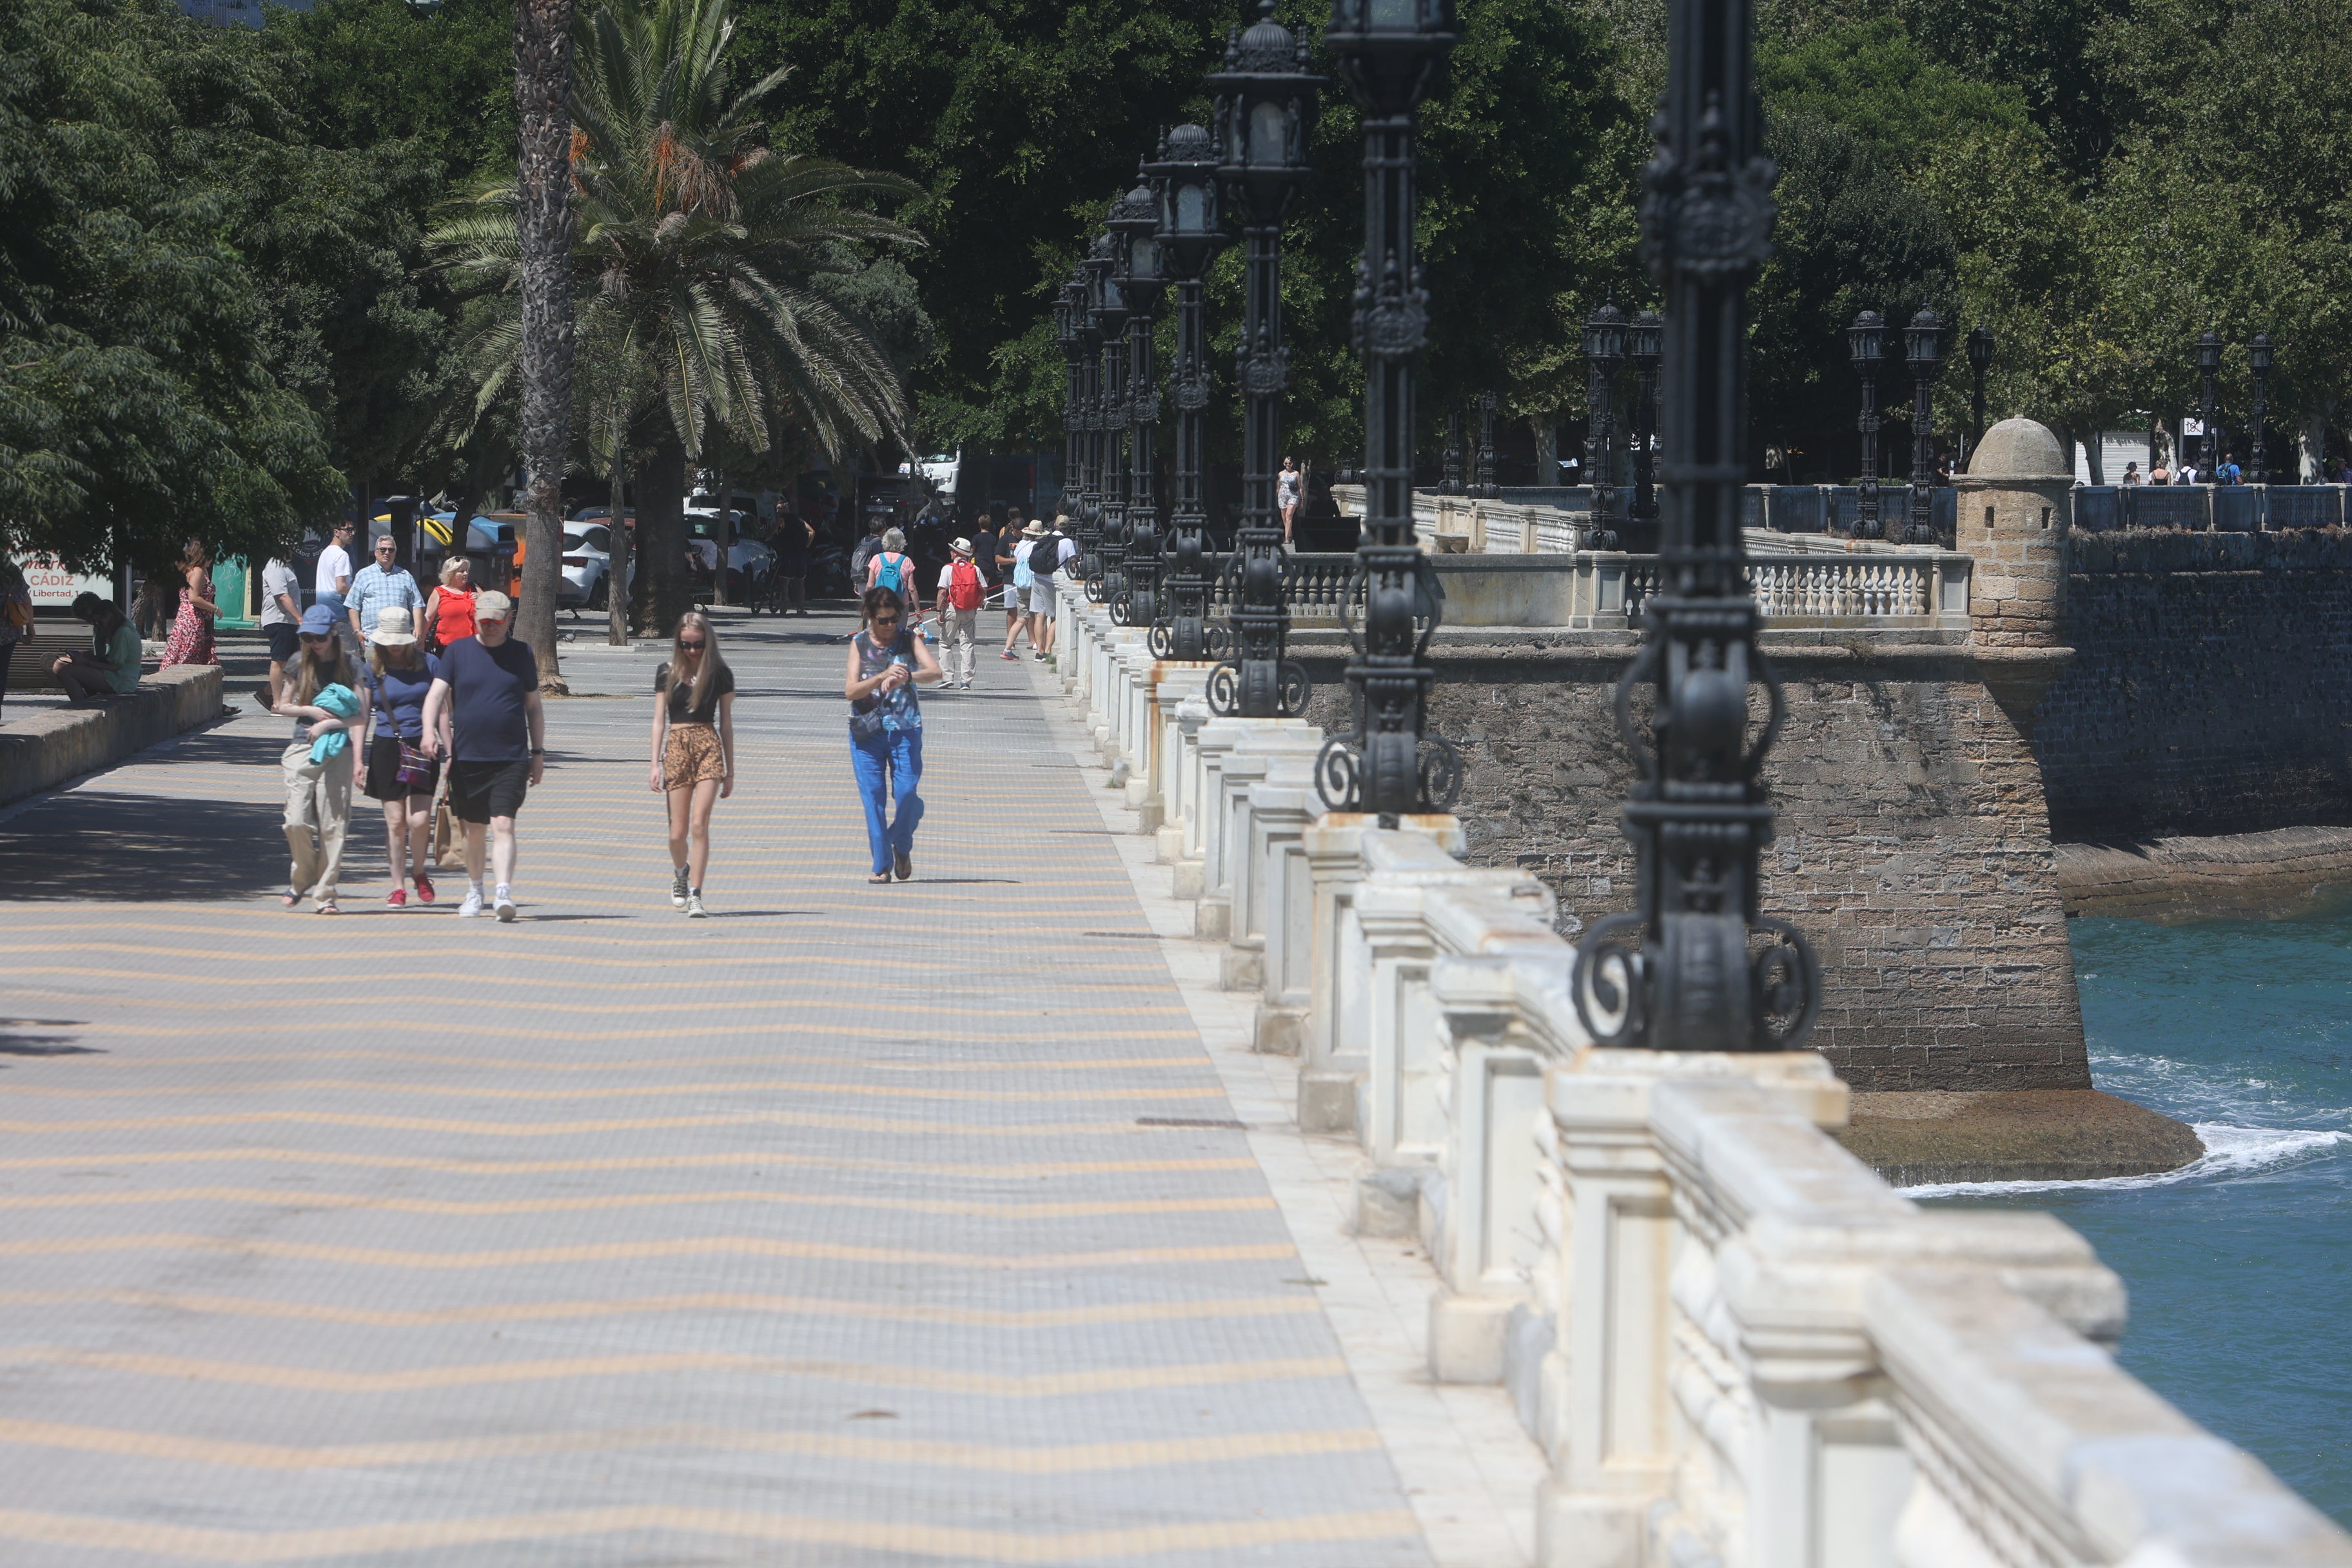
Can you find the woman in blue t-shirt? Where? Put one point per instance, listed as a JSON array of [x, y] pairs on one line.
[[399, 774]]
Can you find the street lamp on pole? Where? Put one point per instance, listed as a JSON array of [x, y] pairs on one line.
[[1642, 346], [1264, 113], [1979, 361], [1090, 496], [1683, 971], [1069, 317], [1134, 229], [1110, 432], [2208, 365], [1390, 51], [1604, 356], [1923, 348], [2258, 448], [1189, 233], [1487, 487], [1866, 343]]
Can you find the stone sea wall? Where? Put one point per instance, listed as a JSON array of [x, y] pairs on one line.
[[1914, 843], [2211, 687]]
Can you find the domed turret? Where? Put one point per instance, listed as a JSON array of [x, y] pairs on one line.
[[2016, 504]]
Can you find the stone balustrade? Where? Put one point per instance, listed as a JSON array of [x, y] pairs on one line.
[[1733, 1342]]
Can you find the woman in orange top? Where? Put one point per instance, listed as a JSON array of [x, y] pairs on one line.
[[449, 612]]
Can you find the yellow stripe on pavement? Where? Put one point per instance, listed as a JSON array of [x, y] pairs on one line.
[[206, 1543], [703, 1301], [479, 1375], [292, 1198], [755, 1157], [1058, 1459], [632, 1252]]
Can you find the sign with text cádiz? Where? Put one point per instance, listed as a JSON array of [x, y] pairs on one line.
[[53, 587]]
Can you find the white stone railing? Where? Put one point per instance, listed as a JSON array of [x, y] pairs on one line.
[[1734, 1344]]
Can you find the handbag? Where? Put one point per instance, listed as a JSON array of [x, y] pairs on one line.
[[415, 767]]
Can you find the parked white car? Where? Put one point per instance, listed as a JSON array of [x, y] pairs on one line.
[[749, 560], [588, 564]]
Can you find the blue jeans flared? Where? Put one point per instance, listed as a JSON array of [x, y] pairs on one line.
[[892, 761]]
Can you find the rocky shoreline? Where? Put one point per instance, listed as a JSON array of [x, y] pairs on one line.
[[1919, 1136], [2276, 875]]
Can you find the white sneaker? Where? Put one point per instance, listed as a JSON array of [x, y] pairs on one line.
[[472, 905], [678, 888], [506, 906], [693, 910]]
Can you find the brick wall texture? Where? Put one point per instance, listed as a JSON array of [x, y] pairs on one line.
[[2211, 687], [1914, 843]]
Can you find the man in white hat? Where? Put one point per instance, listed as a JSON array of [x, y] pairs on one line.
[[488, 684], [962, 593]]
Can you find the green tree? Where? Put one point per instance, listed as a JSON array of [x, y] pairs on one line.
[[166, 234], [698, 244]]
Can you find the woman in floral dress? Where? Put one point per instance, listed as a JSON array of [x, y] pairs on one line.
[[191, 641]]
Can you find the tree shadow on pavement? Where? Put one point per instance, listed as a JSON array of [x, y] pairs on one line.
[[92, 847], [18, 1038]]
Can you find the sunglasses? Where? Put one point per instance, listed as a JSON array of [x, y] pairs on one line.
[[886, 620], [690, 646]]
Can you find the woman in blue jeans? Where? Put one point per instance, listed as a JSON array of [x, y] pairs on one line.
[[886, 662]]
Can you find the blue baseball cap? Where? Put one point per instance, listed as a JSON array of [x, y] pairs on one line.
[[319, 621]]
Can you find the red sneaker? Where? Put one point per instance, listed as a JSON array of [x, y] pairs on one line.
[[396, 898], [424, 889]]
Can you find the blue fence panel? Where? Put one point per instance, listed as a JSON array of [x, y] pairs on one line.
[[2098, 509], [1797, 509], [2164, 506], [2237, 509], [2304, 506], [1946, 510], [1567, 498], [1751, 506]]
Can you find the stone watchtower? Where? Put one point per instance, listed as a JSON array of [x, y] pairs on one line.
[[2017, 501]]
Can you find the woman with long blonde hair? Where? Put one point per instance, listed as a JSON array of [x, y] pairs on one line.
[[693, 759], [318, 775]]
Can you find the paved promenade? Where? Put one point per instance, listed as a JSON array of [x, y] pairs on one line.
[[853, 1227]]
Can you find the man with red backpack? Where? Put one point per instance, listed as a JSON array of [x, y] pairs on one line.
[[962, 593]]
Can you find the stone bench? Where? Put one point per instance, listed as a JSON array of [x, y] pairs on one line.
[[43, 750]]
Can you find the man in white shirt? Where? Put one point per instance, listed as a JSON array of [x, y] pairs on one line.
[[334, 575], [281, 618]]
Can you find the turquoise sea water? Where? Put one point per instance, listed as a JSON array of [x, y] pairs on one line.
[[2239, 1267]]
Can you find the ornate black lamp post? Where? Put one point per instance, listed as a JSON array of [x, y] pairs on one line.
[[1449, 460], [1923, 348], [1604, 353], [1266, 108], [1090, 478], [1486, 470], [1069, 317], [2258, 453], [1642, 346], [1189, 233], [1679, 973], [1866, 343], [1135, 225], [1389, 50], [1110, 310], [1979, 361], [2208, 365]]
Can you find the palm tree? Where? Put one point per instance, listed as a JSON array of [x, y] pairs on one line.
[[697, 248], [543, 223]]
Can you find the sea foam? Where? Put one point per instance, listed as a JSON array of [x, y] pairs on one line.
[[2229, 1152]]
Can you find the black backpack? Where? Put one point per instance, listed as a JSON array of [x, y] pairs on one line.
[[1045, 555]]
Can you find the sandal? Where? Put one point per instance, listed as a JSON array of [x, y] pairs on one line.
[[880, 879], [906, 868], [289, 901], [326, 906]]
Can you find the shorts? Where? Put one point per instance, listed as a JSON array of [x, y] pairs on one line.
[[480, 791], [1041, 597], [383, 763], [692, 755], [1012, 599], [285, 641]]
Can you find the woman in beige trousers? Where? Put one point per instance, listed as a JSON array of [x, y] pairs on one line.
[[318, 793]]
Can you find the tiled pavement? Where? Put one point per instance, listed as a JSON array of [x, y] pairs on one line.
[[853, 1227]]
